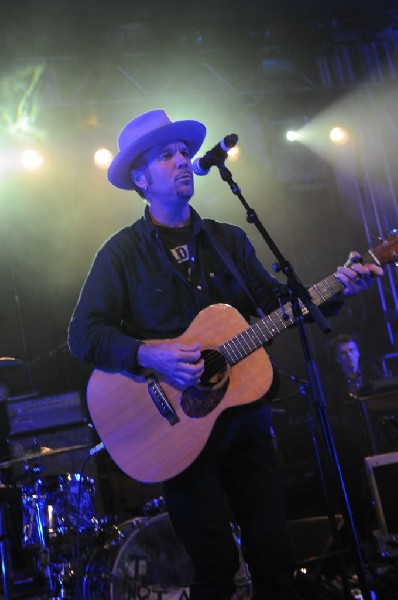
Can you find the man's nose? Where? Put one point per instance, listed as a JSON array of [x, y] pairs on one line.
[[181, 159]]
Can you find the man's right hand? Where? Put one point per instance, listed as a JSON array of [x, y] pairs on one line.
[[181, 364]]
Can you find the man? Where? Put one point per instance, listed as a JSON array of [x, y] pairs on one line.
[[149, 281], [351, 377], [351, 427]]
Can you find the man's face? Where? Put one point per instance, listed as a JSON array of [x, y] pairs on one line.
[[347, 356], [168, 172]]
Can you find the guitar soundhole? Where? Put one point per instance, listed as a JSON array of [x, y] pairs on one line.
[[199, 401], [215, 368]]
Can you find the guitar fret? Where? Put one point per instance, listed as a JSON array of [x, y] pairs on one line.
[[260, 341], [275, 324], [270, 330], [281, 313], [231, 360], [264, 334], [329, 286], [337, 282], [230, 348], [316, 288], [251, 344], [237, 348], [240, 343]]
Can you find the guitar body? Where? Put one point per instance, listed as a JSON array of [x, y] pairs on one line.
[[126, 411], [140, 440]]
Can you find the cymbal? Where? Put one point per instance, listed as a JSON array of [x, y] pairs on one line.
[[8, 362], [40, 454]]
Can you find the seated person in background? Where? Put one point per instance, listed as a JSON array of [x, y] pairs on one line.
[[352, 376], [344, 385]]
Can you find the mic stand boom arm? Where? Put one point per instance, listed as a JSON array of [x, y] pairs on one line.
[[299, 296]]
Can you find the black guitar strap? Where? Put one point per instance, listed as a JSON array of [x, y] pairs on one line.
[[231, 266]]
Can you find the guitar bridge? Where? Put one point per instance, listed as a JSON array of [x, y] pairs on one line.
[[160, 399]]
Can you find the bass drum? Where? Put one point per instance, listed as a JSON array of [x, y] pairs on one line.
[[143, 558]]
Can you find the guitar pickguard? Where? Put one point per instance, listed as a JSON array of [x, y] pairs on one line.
[[197, 402]]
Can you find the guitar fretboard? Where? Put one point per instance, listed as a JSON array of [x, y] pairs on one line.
[[265, 329]]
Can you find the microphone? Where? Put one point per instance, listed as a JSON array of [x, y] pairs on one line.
[[201, 166]]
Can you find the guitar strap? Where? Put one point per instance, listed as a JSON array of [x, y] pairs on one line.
[[232, 267]]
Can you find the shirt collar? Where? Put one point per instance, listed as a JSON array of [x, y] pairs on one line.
[[196, 222]]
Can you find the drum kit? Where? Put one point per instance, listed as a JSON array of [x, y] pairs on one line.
[[75, 555], [70, 552]]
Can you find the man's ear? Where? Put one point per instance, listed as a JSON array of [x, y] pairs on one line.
[[139, 178]]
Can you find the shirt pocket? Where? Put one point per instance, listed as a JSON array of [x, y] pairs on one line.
[[158, 306]]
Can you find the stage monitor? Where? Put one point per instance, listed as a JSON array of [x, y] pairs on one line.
[[382, 471]]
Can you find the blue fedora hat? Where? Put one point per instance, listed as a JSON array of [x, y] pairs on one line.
[[145, 131]]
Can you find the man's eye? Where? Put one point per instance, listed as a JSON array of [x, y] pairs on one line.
[[165, 156]]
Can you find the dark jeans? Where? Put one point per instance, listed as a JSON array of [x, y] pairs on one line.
[[234, 478]]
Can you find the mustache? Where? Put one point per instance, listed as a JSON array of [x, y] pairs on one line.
[[185, 173]]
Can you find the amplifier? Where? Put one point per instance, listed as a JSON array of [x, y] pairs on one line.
[[382, 471], [381, 413], [32, 414]]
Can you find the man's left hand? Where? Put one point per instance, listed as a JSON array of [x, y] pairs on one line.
[[356, 276]]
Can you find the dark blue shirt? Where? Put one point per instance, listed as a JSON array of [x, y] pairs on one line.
[[135, 290]]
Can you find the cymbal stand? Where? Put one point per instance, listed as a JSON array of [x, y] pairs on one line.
[[5, 553], [35, 520]]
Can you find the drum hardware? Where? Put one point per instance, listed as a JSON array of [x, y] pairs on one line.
[[8, 363], [42, 452], [154, 506], [6, 495], [34, 531], [143, 558], [56, 511]]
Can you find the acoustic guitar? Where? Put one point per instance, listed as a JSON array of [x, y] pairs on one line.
[[154, 430]]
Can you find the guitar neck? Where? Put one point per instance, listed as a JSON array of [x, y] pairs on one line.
[[267, 328]]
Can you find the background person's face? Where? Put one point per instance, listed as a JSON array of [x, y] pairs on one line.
[[347, 356]]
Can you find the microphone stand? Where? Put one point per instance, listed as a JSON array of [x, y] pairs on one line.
[[300, 295]]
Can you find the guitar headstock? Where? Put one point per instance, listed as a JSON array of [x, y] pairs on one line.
[[387, 250]]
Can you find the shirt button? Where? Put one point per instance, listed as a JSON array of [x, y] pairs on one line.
[[198, 287], [192, 258]]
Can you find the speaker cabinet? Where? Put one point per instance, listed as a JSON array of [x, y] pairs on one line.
[[382, 471]]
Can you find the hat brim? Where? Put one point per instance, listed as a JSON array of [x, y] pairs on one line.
[[191, 132]]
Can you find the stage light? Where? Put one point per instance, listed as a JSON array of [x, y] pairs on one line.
[[339, 135], [103, 158], [234, 153], [292, 136], [31, 160]]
